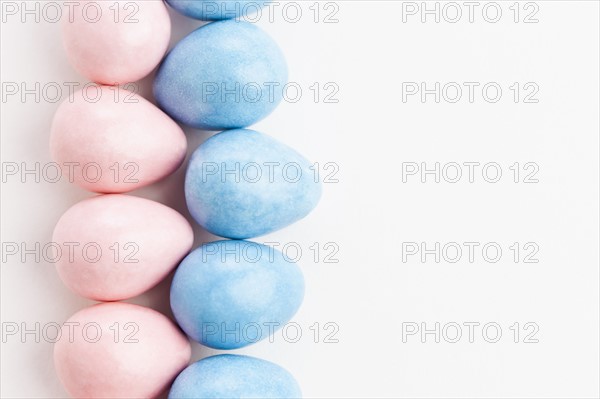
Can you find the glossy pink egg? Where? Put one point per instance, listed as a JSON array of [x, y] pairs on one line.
[[119, 350], [114, 246], [116, 144], [116, 42]]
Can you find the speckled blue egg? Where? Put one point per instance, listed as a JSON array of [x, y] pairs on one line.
[[242, 184], [229, 294], [224, 75], [214, 10], [234, 376]]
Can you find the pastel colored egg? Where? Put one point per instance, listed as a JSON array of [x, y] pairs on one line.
[[224, 75], [230, 294], [242, 184], [116, 42], [119, 350], [234, 376], [118, 143], [114, 247], [214, 10]]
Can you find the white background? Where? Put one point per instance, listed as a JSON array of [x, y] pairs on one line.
[[370, 212]]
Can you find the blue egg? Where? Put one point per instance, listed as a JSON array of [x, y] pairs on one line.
[[224, 75], [214, 10], [234, 376], [229, 294], [242, 184]]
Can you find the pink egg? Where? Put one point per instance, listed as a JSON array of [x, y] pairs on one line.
[[116, 42], [118, 143], [119, 350], [114, 247]]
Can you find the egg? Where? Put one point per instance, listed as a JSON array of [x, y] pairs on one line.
[[119, 350], [234, 376], [211, 10], [224, 75], [116, 42], [116, 143], [116, 246], [230, 294], [242, 184]]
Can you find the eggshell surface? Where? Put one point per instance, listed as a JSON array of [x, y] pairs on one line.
[[229, 294], [224, 75], [114, 246], [118, 143], [119, 350], [116, 42], [242, 184], [234, 376]]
